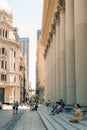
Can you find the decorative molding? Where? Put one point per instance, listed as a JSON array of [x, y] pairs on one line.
[[53, 26], [57, 16], [61, 5]]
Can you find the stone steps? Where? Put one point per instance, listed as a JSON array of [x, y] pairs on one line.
[[59, 121]]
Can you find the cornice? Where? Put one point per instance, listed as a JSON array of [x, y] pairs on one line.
[[10, 42], [47, 18], [5, 25], [51, 17]]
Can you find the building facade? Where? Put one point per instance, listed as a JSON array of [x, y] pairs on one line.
[[64, 30], [25, 53], [9, 56]]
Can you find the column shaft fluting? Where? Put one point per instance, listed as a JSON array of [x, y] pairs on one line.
[[70, 53], [81, 50], [54, 67], [62, 57], [57, 61]]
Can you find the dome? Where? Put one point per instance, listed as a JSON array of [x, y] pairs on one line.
[[5, 7]]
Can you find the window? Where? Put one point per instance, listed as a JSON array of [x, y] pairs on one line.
[[14, 66], [3, 77], [3, 50], [6, 34], [2, 64], [14, 53]]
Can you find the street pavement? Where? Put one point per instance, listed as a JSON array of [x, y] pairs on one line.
[[24, 120]]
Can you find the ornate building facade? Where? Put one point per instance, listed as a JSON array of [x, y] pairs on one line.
[[64, 30], [9, 56]]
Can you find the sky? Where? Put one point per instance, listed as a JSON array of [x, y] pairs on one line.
[[27, 17]]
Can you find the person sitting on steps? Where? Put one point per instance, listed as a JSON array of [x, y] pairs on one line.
[[78, 114]]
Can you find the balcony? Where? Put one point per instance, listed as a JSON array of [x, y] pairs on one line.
[[4, 84]]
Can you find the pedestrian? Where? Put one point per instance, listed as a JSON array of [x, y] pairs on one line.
[[16, 107], [13, 107]]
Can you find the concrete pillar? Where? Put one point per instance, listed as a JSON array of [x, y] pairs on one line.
[[62, 57], [81, 50], [70, 54], [57, 61]]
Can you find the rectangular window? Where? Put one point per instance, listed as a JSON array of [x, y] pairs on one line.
[[3, 77], [14, 66], [2, 64], [14, 54], [3, 50]]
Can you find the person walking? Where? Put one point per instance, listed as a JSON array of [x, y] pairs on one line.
[[13, 107], [16, 107]]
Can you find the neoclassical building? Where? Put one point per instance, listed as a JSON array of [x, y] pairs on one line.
[[64, 38], [9, 56]]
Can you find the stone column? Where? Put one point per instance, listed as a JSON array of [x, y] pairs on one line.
[[48, 55], [81, 50], [51, 70], [47, 77], [62, 53], [70, 54], [54, 62], [57, 55], [46, 93]]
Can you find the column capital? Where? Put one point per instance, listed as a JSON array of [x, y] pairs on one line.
[[53, 26], [61, 5], [50, 35], [57, 16]]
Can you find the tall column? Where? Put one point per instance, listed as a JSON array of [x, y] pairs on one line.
[[70, 53], [49, 91], [47, 77], [54, 62], [46, 93], [81, 50], [62, 54], [51, 70], [57, 56]]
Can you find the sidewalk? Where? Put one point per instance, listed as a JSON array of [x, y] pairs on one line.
[[30, 121]]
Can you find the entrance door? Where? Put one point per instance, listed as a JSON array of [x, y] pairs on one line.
[[2, 95]]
